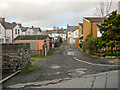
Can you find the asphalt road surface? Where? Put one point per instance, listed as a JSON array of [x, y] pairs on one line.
[[58, 66]]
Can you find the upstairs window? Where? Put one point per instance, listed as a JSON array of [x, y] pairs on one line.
[[18, 31], [69, 33], [15, 31]]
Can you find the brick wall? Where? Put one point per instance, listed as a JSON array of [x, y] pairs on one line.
[[77, 42], [94, 29], [86, 28], [15, 55], [80, 30]]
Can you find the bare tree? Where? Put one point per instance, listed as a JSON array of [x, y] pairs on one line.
[[103, 8]]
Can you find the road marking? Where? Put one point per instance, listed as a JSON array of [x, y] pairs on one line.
[[94, 64]]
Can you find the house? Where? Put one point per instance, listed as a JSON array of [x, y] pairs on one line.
[[72, 32], [24, 29], [35, 30], [12, 30], [36, 42], [80, 40], [2, 34], [90, 26]]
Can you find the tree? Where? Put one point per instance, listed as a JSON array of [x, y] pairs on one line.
[[110, 30], [103, 8]]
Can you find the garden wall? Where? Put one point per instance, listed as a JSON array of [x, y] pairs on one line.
[[15, 56]]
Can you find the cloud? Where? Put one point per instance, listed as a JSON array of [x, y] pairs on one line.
[[48, 13]]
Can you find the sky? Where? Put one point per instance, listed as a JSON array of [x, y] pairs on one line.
[[48, 13]]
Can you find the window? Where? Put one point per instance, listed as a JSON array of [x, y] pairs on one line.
[[18, 31], [0, 30], [15, 31], [1, 40], [76, 33], [69, 33], [98, 33]]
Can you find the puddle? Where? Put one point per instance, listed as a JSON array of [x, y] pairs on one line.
[[55, 66]]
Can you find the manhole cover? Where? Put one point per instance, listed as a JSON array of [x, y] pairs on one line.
[[70, 53], [55, 66]]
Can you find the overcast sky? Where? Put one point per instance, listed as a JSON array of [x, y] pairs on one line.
[[47, 13]]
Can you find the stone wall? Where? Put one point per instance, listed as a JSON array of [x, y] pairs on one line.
[[15, 56]]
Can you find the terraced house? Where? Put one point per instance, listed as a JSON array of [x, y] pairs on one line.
[[72, 34], [12, 30]]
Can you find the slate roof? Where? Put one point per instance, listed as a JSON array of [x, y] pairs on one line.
[[31, 37], [36, 29], [95, 19], [81, 24], [72, 28], [24, 29], [7, 25]]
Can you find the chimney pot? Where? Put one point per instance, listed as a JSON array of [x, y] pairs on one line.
[[20, 25], [2, 19], [13, 22]]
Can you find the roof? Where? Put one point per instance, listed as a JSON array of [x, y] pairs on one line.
[[95, 19], [72, 28], [36, 29], [24, 29], [7, 25], [81, 24], [31, 37]]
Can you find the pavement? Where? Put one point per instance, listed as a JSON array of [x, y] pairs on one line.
[[56, 68], [101, 80], [83, 56]]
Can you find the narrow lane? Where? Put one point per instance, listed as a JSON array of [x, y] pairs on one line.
[[57, 66]]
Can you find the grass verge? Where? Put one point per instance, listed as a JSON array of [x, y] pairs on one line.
[[30, 68]]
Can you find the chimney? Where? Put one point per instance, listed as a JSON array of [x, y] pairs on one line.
[[32, 26], [20, 25], [2, 19], [13, 22]]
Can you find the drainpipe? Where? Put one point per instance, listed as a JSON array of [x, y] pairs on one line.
[[5, 35], [12, 35]]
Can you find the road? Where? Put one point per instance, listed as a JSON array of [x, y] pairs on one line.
[[58, 66]]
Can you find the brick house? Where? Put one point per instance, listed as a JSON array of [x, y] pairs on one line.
[[36, 42], [90, 26]]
